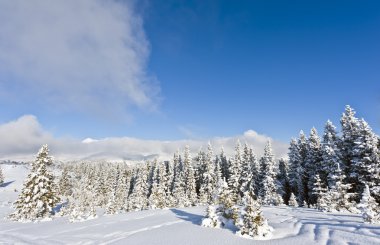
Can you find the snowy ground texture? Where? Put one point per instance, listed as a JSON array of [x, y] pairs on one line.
[[177, 226]]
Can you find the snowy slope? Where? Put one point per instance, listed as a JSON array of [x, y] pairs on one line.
[[177, 226]]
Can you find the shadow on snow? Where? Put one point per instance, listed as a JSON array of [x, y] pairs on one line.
[[6, 183], [193, 218]]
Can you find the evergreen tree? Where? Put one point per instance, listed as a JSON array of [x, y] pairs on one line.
[[268, 188], [350, 135], [101, 188], [190, 190], [152, 168], [1, 176], [82, 201], [179, 187], [320, 193], [283, 182], [38, 196], [157, 198], [224, 165], [116, 195], [254, 224], [365, 165], [255, 170], [339, 195], [246, 180], [218, 173], [177, 168], [302, 148], [295, 168], [122, 189], [369, 208], [65, 183], [235, 172], [331, 156], [313, 165], [168, 180], [111, 206], [138, 198], [225, 200], [208, 184], [297, 173]]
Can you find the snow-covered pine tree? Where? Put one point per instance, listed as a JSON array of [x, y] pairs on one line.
[[152, 168], [65, 182], [331, 156], [313, 165], [235, 172], [111, 206], [302, 145], [176, 168], [283, 180], [268, 188], [138, 198], [292, 200], [157, 198], [178, 191], [339, 195], [365, 164], [167, 183], [350, 134], [82, 202], [254, 224], [199, 169], [297, 157], [208, 184], [1, 176], [295, 168], [190, 185], [224, 165], [225, 200], [111, 185], [122, 189], [369, 208], [320, 193], [100, 185], [218, 173], [38, 196], [255, 169], [246, 180]]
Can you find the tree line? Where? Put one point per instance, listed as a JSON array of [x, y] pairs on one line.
[[331, 173]]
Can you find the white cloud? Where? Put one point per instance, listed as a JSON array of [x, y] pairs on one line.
[[86, 55], [22, 138]]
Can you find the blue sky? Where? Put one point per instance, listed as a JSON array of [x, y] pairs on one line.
[[204, 69]]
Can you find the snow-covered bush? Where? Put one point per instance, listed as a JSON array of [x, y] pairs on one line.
[[293, 201], [212, 219], [247, 218], [254, 224]]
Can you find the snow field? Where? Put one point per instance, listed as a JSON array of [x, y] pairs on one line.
[[178, 226]]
